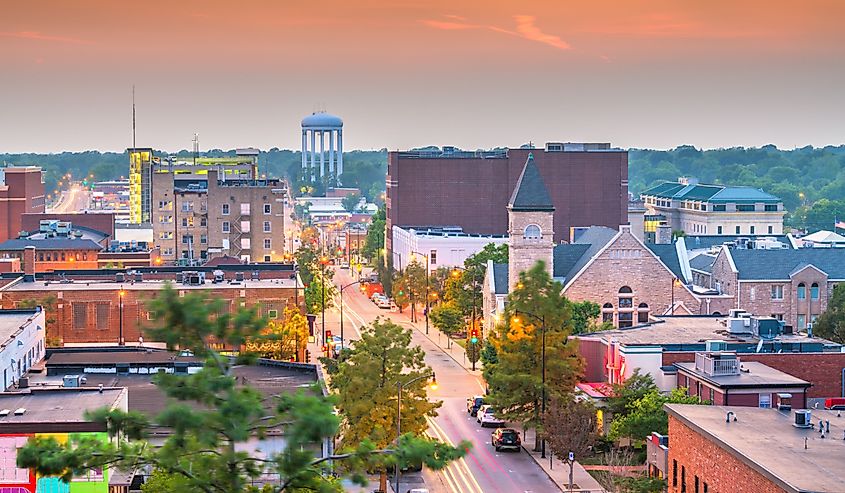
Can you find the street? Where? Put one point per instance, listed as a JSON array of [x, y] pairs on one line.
[[73, 200], [482, 470]]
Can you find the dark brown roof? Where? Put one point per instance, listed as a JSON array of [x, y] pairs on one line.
[[114, 357]]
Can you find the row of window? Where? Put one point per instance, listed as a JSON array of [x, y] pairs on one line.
[[245, 207], [800, 292], [752, 230], [700, 486], [61, 257], [188, 206], [625, 313]]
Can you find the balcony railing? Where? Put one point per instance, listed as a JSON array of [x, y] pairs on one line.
[[717, 366]]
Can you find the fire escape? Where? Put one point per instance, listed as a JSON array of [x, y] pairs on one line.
[[238, 234]]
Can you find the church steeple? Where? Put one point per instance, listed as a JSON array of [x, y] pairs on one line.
[[530, 193]]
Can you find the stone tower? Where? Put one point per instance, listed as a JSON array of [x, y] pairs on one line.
[[530, 223]]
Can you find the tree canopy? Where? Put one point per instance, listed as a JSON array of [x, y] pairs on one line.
[[831, 323]]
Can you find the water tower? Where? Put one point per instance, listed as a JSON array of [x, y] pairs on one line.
[[319, 126]]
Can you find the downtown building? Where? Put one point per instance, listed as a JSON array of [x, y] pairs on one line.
[[587, 184], [21, 192]]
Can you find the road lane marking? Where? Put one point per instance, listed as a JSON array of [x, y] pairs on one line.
[[460, 465]]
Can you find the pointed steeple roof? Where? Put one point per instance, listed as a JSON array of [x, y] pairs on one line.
[[530, 193]]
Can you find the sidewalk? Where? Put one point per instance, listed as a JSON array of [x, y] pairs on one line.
[[558, 471], [456, 352]]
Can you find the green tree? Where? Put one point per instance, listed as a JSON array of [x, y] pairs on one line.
[[48, 303], [448, 319], [163, 482], [574, 427], [515, 379], [413, 279], [366, 383], [314, 296], [631, 390], [584, 316], [831, 323], [350, 202], [464, 287], [374, 242], [283, 339], [646, 415], [212, 418]]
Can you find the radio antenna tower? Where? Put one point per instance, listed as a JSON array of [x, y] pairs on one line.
[[133, 116]]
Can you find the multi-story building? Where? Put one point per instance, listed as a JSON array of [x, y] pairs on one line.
[[721, 448], [698, 209], [199, 217], [22, 332], [21, 192], [587, 184], [444, 247]]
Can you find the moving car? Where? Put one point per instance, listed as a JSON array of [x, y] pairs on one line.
[[384, 303], [506, 438], [487, 417], [473, 404]]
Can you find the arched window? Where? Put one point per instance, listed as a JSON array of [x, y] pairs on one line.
[[607, 313], [802, 291], [532, 232], [625, 290], [642, 313], [814, 291], [625, 297]]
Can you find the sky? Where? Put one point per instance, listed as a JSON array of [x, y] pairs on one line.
[[403, 74]]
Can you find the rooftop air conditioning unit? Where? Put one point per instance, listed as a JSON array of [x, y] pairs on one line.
[[803, 418], [715, 346]]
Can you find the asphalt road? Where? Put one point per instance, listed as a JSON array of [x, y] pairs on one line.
[[483, 470], [73, 200]]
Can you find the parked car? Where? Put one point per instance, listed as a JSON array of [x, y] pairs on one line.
[[384, 303], [473, 404], [506, 438], [487, 417], [376, 296]]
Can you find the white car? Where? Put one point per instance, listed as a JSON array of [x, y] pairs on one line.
[[487, 417], [384, 303]]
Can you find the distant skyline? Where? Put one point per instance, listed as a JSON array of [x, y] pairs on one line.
[[470, 73]]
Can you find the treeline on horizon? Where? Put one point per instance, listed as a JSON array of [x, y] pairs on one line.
[[809, 180]]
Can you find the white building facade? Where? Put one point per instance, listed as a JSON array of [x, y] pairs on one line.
[[323, 163], [22, 331], [444, 247]]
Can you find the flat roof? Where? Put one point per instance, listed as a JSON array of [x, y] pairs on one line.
[[758, 375], [766, 441], [688, 330], [148, 285], [11, 321], [57, 405], [101, 357]]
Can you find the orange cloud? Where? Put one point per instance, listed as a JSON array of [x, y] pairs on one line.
[[659, 25], [43, 37], [525, 28]]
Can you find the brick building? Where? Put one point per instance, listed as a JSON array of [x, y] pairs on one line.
[[21, 192], [90, 307], [50, 254], [792, 285], [104, 223], [198, 217], [760, 451], [587, 184]]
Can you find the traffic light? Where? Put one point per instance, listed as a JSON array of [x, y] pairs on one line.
[[325, 348], [473, 336]]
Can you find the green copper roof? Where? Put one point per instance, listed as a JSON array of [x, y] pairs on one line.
[[710, 193], [530, 193]]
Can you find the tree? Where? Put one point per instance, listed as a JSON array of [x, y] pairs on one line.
[[627, 393], [212, 420], [162, 482], [646, 415], [314, 296], [515, 379], [48, 303], [282, 340], [350, 202], [464, 288], [584, 316], [447, 318], [367, 380], [413, 279], [574, 425], [831, 323], [374, 241]]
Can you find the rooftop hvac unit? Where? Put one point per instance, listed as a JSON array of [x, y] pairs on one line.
[[70, 381], [715, 346], [179, 277], [23, 383], [803, 418], [120, 277], [239, 276], [139, 277]]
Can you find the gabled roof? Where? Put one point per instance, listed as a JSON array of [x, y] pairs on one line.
[[703, 263], [668, 254], [696, 242], [530, 193], [596, 238], [52, 244], [565, 258], [824, 237], [500, 278], [780, 264]]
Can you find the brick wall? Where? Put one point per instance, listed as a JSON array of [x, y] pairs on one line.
[[823, 370], [523, 253], [695, 455], [626, 262]]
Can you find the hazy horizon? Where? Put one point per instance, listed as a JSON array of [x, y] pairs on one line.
[[646, 74]]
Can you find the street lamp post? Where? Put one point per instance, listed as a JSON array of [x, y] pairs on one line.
[[323, 262], [542, 320], [120, 340], [427, 275], [399, 386], [342, 339]]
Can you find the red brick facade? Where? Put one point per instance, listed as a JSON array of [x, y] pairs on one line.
[[823, 370], [23, 192], [693, 456]]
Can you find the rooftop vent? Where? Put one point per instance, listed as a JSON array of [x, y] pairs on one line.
[[803, 418], [4, 413], [19, 411]]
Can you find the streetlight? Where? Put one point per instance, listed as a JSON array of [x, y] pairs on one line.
[[323, 262], [675, 282], [399, 386], [542, 320], [121, 294], [456, 273], [342, 340], [427, 267]]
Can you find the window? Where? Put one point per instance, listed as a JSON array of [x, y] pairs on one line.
[[696, 484], [626, 319], [607, 313], [737, 230], [244, 207], [272, 314], [203, 222], [770, 232], [777, 292], [778, 316], [165, 235], [245, 243], [814, 291], [244, 226], [226, 226], [712, 396], [642, 313], [267, 244], [266, 208], [674, 472], [266, 258], [188, 222], [802, 291], [771, 208], [432, 257], [80, 316], [719, 208], [532, 232], [705, 487], [9, 472], [102, 316], [267, 226], [802, 321], [745, 208], [718, 230], [752, 229], [187, 206], [625, 300], [683, 479], [765, 400], [187, 239], [225, 209], [203, 239], [151, 315]]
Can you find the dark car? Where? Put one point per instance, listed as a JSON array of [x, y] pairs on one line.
[[506, 438], [473, 404]]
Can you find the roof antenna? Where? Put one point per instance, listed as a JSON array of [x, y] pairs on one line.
[[133, 116]]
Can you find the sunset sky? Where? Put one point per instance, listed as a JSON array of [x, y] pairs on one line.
[[475, 74]]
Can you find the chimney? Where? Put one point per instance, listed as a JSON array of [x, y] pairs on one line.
[[29, 264]]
